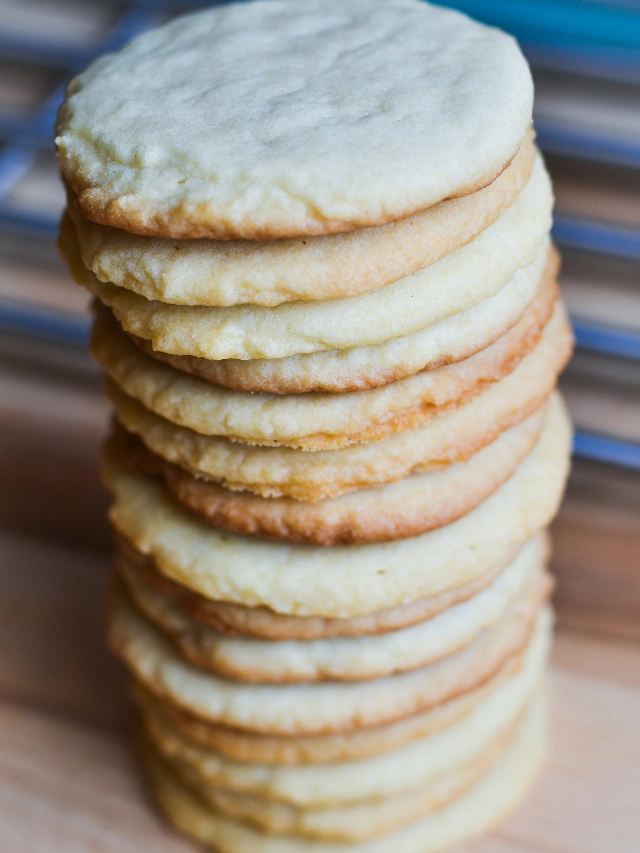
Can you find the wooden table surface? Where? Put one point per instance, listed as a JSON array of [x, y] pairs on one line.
[[67, 784]]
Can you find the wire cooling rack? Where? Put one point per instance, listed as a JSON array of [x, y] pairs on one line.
[[583, 38]]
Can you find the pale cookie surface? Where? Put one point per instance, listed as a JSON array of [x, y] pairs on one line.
[[352, 822], [343, 658], [457, 282], [237, 620], [344, 581], [487, 802], [316, 707], [321, 421], [318, 749], [348, 115], [357, 368], [205, 272], [407, 507], [452, 436], [386, 775]]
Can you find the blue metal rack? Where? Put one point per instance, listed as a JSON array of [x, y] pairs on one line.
[[587, 144], [58, 327], [590, 37], [600, 448], [593, 236], [579, 35]]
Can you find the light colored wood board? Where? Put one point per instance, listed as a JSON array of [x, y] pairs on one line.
[[596, 560], [587, 801], [52, 652], [69, 787], [599, 658]]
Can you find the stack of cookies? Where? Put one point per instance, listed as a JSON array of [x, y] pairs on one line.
[[327, 311]]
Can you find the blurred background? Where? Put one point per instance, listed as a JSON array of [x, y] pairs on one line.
[[62, 704], [586, 61]]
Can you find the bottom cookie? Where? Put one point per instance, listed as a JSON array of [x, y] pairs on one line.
[[474, 812], [319, 797]]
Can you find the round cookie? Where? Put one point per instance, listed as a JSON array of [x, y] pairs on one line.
[[247, 746], [237, 620], [346, 117], [404, 508], [457, 282], [321, 421], [343, 581], [383, 775], [352, 822], [445, 342], [343, 658], [487, 802], [355, 820], [317, 707], [452, 436], [207, 272]]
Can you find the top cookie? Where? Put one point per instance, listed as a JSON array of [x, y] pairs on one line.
[[287, 118]]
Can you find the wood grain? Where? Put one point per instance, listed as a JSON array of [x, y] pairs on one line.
[[67, 784], [52, 653], [67, 787]]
